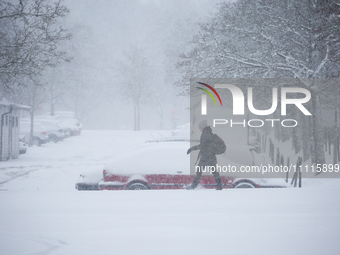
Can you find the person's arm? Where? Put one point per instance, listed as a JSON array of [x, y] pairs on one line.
[[194, 148]]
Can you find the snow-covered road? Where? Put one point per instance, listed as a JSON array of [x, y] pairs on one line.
[[42, 213]]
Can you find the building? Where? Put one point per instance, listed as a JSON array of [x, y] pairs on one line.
[[9, 131]]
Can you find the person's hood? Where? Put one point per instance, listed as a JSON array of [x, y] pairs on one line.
[[207, 129]]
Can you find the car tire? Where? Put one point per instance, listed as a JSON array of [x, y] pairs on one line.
[[244, 185], [36, 141], [137, 186]]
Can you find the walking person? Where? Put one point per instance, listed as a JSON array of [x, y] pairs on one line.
[[207, 154]]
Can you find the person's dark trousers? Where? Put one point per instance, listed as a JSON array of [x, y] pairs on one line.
[[195, 183], [218, 180], [198, 178], [219, 183]]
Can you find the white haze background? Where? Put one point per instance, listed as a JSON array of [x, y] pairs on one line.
[[96, 85]]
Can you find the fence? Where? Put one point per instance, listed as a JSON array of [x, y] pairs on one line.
[[278, 158]]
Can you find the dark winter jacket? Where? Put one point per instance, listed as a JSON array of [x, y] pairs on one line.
[[207, 156]]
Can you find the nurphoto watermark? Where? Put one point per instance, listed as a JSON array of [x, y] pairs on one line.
[[272, 128]]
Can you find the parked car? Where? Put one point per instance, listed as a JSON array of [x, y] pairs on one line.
[[66, 129], [22, 145], [165, 165], [54, 130], [72, 129], [39, 133], [180, 134], [69, 120]]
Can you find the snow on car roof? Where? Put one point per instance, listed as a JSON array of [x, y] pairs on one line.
[[153, 158], [46, 118], [26, 126], [171, 157]]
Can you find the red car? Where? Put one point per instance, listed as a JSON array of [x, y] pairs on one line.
[[166, 181], [165, 165]]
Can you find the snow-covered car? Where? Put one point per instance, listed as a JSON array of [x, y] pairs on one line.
[[54, 131], [69, 120], [89, 179], [166, 165], [22, 147], [73, 129], [39, 133], [52, 124], [180, 134]]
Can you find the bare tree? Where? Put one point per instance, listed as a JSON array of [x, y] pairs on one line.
[[136, 79], [30, 33]]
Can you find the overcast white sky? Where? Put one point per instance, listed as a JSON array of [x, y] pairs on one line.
[[114, 25], [118, 22], [104, 29]]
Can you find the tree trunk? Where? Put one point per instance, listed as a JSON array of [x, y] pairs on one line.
[[335, 149], [306, 138], [32, 121], [317, 130], [136, 116], [161, 118], [296, 132], [52, 108], [277, 129]]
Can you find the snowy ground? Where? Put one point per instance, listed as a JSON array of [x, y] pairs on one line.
[[42, 213]]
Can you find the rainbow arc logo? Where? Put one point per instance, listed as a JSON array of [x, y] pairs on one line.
[[209, 93]]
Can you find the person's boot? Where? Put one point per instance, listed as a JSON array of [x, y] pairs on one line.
[[219, 184], [194, 184]]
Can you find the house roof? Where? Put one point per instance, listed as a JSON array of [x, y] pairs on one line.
[[15, 106]]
